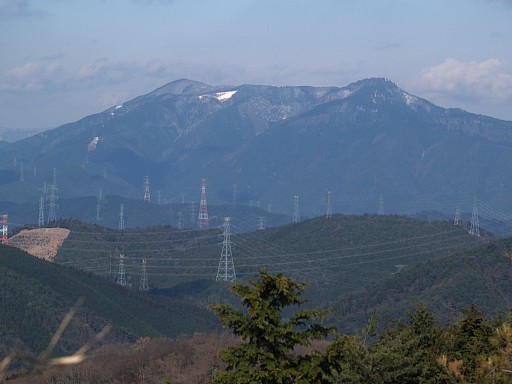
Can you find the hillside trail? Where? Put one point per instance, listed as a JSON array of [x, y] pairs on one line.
[[42, 242]]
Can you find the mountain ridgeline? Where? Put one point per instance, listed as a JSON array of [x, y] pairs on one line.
[[267, 144], [333, 256]]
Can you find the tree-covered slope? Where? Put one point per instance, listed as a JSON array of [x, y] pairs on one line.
[[36, 295], [333, 256], [479, 276]]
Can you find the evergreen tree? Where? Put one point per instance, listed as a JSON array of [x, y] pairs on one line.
[[267, 354]]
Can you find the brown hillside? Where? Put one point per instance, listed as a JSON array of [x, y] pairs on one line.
[[41, 242]]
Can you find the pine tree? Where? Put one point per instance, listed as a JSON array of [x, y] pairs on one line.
[[267, 355]]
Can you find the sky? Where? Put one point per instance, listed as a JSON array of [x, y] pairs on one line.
[[61, 60]]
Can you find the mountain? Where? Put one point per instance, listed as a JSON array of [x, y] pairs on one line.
[[15, 134], [266, 144], [333, 256], [447, 284], [35, 295]]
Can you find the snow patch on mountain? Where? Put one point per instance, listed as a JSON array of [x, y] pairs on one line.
[[223, 96], [409, 99], [92, 144]]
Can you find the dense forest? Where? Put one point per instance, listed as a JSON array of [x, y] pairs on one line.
[[35, 295], [273, 348], [350, 299]]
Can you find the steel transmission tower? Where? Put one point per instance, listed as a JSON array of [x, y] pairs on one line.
[[144, 284], [40, 222], [202, 221], [328, 212], [99, 201], [381, 205], [4, 220], [296, 212], [121, 218], [121, 275], [147, 197], [53, 199], [456, 220], [180, 220], [226, 270], [22, 172], [261, 223], [474, 229]]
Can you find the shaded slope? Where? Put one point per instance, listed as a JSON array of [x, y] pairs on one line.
[[479, 276], [37, 294]]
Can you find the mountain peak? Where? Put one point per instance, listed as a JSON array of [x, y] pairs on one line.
[[373, 82], [183, 87], [380, 90]]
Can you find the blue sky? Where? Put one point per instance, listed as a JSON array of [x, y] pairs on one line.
[[64, 59]]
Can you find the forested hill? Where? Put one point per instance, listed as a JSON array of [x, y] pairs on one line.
[[479, 276], [35, 295], [333, 256]]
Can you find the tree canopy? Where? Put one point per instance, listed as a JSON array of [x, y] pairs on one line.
[[267, 354]]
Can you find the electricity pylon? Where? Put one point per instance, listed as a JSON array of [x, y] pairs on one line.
[[226, 270]]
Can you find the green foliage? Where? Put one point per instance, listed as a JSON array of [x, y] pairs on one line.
[[35, 295], [267, 354], [472, 349], [479, 276], [333, 257]]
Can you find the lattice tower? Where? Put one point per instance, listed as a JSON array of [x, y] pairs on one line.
[[456, 220], [147, 196], [121, 218], [4, 220], [328, 212], [474, 229], [261, 223], [180, 220], [121, 274], [202, 220], [53, 198], [40, 222], [226, 270], [22, 172], [296, 210], [144, 284], [99, 201]]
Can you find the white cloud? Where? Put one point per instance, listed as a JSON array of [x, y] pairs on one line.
[[89, 70], [33, 76], [490, 78]]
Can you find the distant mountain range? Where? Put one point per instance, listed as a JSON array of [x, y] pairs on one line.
[[368, 142], [14, 134]]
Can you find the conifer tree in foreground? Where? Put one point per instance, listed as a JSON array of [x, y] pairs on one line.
[[267, 355]]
